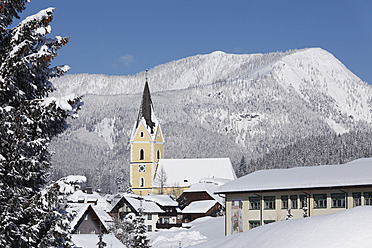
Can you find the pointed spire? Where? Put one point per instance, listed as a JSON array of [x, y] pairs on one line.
[[146, 108]]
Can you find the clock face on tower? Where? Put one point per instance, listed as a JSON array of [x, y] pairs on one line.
[[141, 168]]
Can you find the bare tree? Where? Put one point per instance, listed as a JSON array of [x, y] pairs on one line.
[[160, 180]]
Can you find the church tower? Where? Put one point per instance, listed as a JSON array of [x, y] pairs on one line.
[[146, 146]]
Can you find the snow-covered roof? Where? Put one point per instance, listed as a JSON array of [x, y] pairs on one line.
[[207, 186], [80, 210], [67, 184], [147, 206], [199, 207], [79, 195], [105, 218], [354, 173], [79, 214], [91, 240], [162, 200], [185, 172]]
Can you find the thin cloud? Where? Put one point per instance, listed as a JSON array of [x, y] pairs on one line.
[[126, 59]]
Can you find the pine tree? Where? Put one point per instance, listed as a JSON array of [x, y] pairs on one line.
[[140, 239], [29, 118], [242, 170]]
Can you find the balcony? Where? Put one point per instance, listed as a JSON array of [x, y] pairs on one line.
[[167, 225]]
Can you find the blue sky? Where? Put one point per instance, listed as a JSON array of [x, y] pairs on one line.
[[121, 37]]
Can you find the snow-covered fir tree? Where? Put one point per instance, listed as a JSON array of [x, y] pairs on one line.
[[139, 236], [29, 216]]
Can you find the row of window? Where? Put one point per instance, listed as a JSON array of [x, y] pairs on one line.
[[142, 134], [142, 154], [256, 223], [338, 200]]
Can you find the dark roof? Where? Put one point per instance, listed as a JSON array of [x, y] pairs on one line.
[[146, 108]]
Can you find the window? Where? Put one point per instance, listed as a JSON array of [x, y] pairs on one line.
[[338, 200], [269, 202], [303, 201], [254, 223], [368, 198], [254, 203], [142, 154], [357, 199], [142, 168], [268, 221], [284, 201], [149, 228], [141, 134], [86, 217], [149, 216], [320, 201], [142, 182], [294, 204], [166, 220], [158, 154]]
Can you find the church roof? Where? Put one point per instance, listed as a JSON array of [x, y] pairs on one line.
[[146, 111], [185, 172]]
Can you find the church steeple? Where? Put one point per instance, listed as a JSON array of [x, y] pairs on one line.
[[146, 146], [147, 109]]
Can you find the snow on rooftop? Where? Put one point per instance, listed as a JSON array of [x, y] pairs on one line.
[[357, 172], [185, 172], [209, 187], [147, 206], [79, 213], [91, 240], [347, 228], [199, 207], [162, 200]]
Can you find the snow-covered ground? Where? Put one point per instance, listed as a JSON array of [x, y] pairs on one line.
[[202, 230], [350, 228]]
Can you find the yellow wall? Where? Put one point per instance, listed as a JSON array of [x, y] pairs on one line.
[[159, 137], [136, 147], [279, 214], [145, 137], [150, 148]]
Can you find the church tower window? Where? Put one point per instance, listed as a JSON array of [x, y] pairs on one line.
[[142, 154], [142, 182], [141, 134], [158, 154]]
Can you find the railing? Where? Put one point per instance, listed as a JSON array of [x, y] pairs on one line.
[[168, 225]]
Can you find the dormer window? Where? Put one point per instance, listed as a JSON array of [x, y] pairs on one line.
[[142, 134]]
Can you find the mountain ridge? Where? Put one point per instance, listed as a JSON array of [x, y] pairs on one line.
[[214, 105]]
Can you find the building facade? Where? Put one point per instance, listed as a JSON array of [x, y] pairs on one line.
[[267, 196]]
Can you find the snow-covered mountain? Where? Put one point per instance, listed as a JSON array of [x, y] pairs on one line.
[[217, 105]]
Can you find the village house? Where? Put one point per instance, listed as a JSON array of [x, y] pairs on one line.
[[160, 211], [267, 196], [91, 220], [199, 200]]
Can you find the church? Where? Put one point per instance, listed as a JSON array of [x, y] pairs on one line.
[[150, 173]]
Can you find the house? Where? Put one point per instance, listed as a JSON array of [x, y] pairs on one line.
[[160, 211], [91, 220], [271, 195], [199, 209], [150, 173], [199, 200]]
